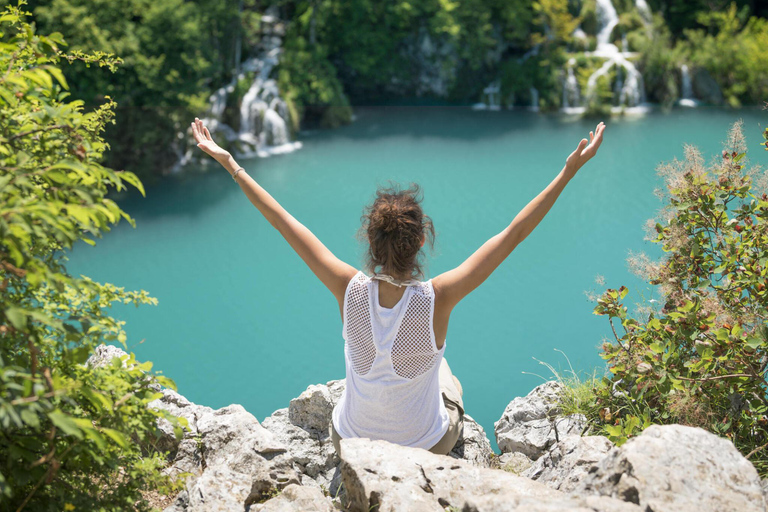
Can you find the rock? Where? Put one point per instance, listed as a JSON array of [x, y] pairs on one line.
[[313, 408], [311, 450], [268, 480], [103, 355], [387, 477], [232, 437], [504, 503], [217, 489], [568, 462], [400, 478], [177, 405], [706, 88], [516, 463], [295, 498], [674, 468], [530, 424], [473, 445]]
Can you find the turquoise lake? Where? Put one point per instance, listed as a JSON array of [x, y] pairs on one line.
[[241, 319]]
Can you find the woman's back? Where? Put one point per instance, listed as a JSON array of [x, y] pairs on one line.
[[392, 364]]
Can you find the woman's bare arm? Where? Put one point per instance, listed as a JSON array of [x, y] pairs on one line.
[[334, 273], [454, 285]]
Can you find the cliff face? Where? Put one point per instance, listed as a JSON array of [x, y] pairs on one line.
[[231, 461]]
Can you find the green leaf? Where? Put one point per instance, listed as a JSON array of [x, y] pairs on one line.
[[66, 423], [117, 436]]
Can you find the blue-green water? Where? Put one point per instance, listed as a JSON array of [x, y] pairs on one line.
[[241, 319]]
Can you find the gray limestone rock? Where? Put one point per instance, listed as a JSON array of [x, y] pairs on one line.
[[216, 490], [533, 423], [103, 355], [232, 437], [568, 462], [674, 468], [295, 498], [312, 409], [386, 477], [176, 405], [515, 462], [473, 445], [268, 480], [399, 478]]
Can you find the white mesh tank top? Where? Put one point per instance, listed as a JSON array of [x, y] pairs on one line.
[[393, 390]]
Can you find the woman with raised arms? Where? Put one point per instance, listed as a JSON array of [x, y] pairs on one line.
[[398, 385]]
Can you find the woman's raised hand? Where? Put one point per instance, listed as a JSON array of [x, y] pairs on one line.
[[206, 143], [585, 150]]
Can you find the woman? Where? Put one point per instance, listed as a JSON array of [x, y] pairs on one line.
[[399, 387]]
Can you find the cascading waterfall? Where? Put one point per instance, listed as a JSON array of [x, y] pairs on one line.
[[571, 93], [686, 98], [628, 87], [263, 113], [608, 19], [644, 10]]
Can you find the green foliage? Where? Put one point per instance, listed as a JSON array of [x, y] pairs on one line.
[[701, 359], [174, 53], [733, 50], [308, 83], [659, 64], [70, 435]]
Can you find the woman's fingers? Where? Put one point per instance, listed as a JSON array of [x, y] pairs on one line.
[[195, 133], [207, 133]]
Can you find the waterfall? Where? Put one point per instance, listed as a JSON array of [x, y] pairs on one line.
[[686, 98], [571, 93], [628, 87], [491, 95], [534, 99], [644, 10], [263, 114], [608, 19]]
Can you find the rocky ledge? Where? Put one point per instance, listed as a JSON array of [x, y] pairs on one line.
[[232, 462]]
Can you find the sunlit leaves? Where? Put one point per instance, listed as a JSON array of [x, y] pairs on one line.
[[68, 429]]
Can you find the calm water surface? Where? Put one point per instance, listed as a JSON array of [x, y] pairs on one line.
[[241, 319]]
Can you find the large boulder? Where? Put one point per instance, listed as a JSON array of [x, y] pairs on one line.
[[533, 423], [568, 462], [388, 477], [674, 468], [303, 428]]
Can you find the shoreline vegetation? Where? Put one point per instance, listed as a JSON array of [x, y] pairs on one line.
[[83, 437]]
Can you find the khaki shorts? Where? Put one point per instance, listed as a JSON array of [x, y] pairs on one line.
[[452, 392]]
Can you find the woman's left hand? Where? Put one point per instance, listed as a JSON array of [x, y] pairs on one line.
[[206, 143]]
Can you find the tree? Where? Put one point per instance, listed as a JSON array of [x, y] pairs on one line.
[[72, 436]]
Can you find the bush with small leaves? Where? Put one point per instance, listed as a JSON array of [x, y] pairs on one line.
[[701, 359]]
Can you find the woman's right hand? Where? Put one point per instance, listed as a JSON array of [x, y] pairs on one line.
[[206, 143], [585, 151]]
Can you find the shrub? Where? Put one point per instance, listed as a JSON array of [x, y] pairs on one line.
[[71, 436], [701, 358]]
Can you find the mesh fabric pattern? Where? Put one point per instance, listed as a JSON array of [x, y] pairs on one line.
[[362, 350], [413, 351]]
